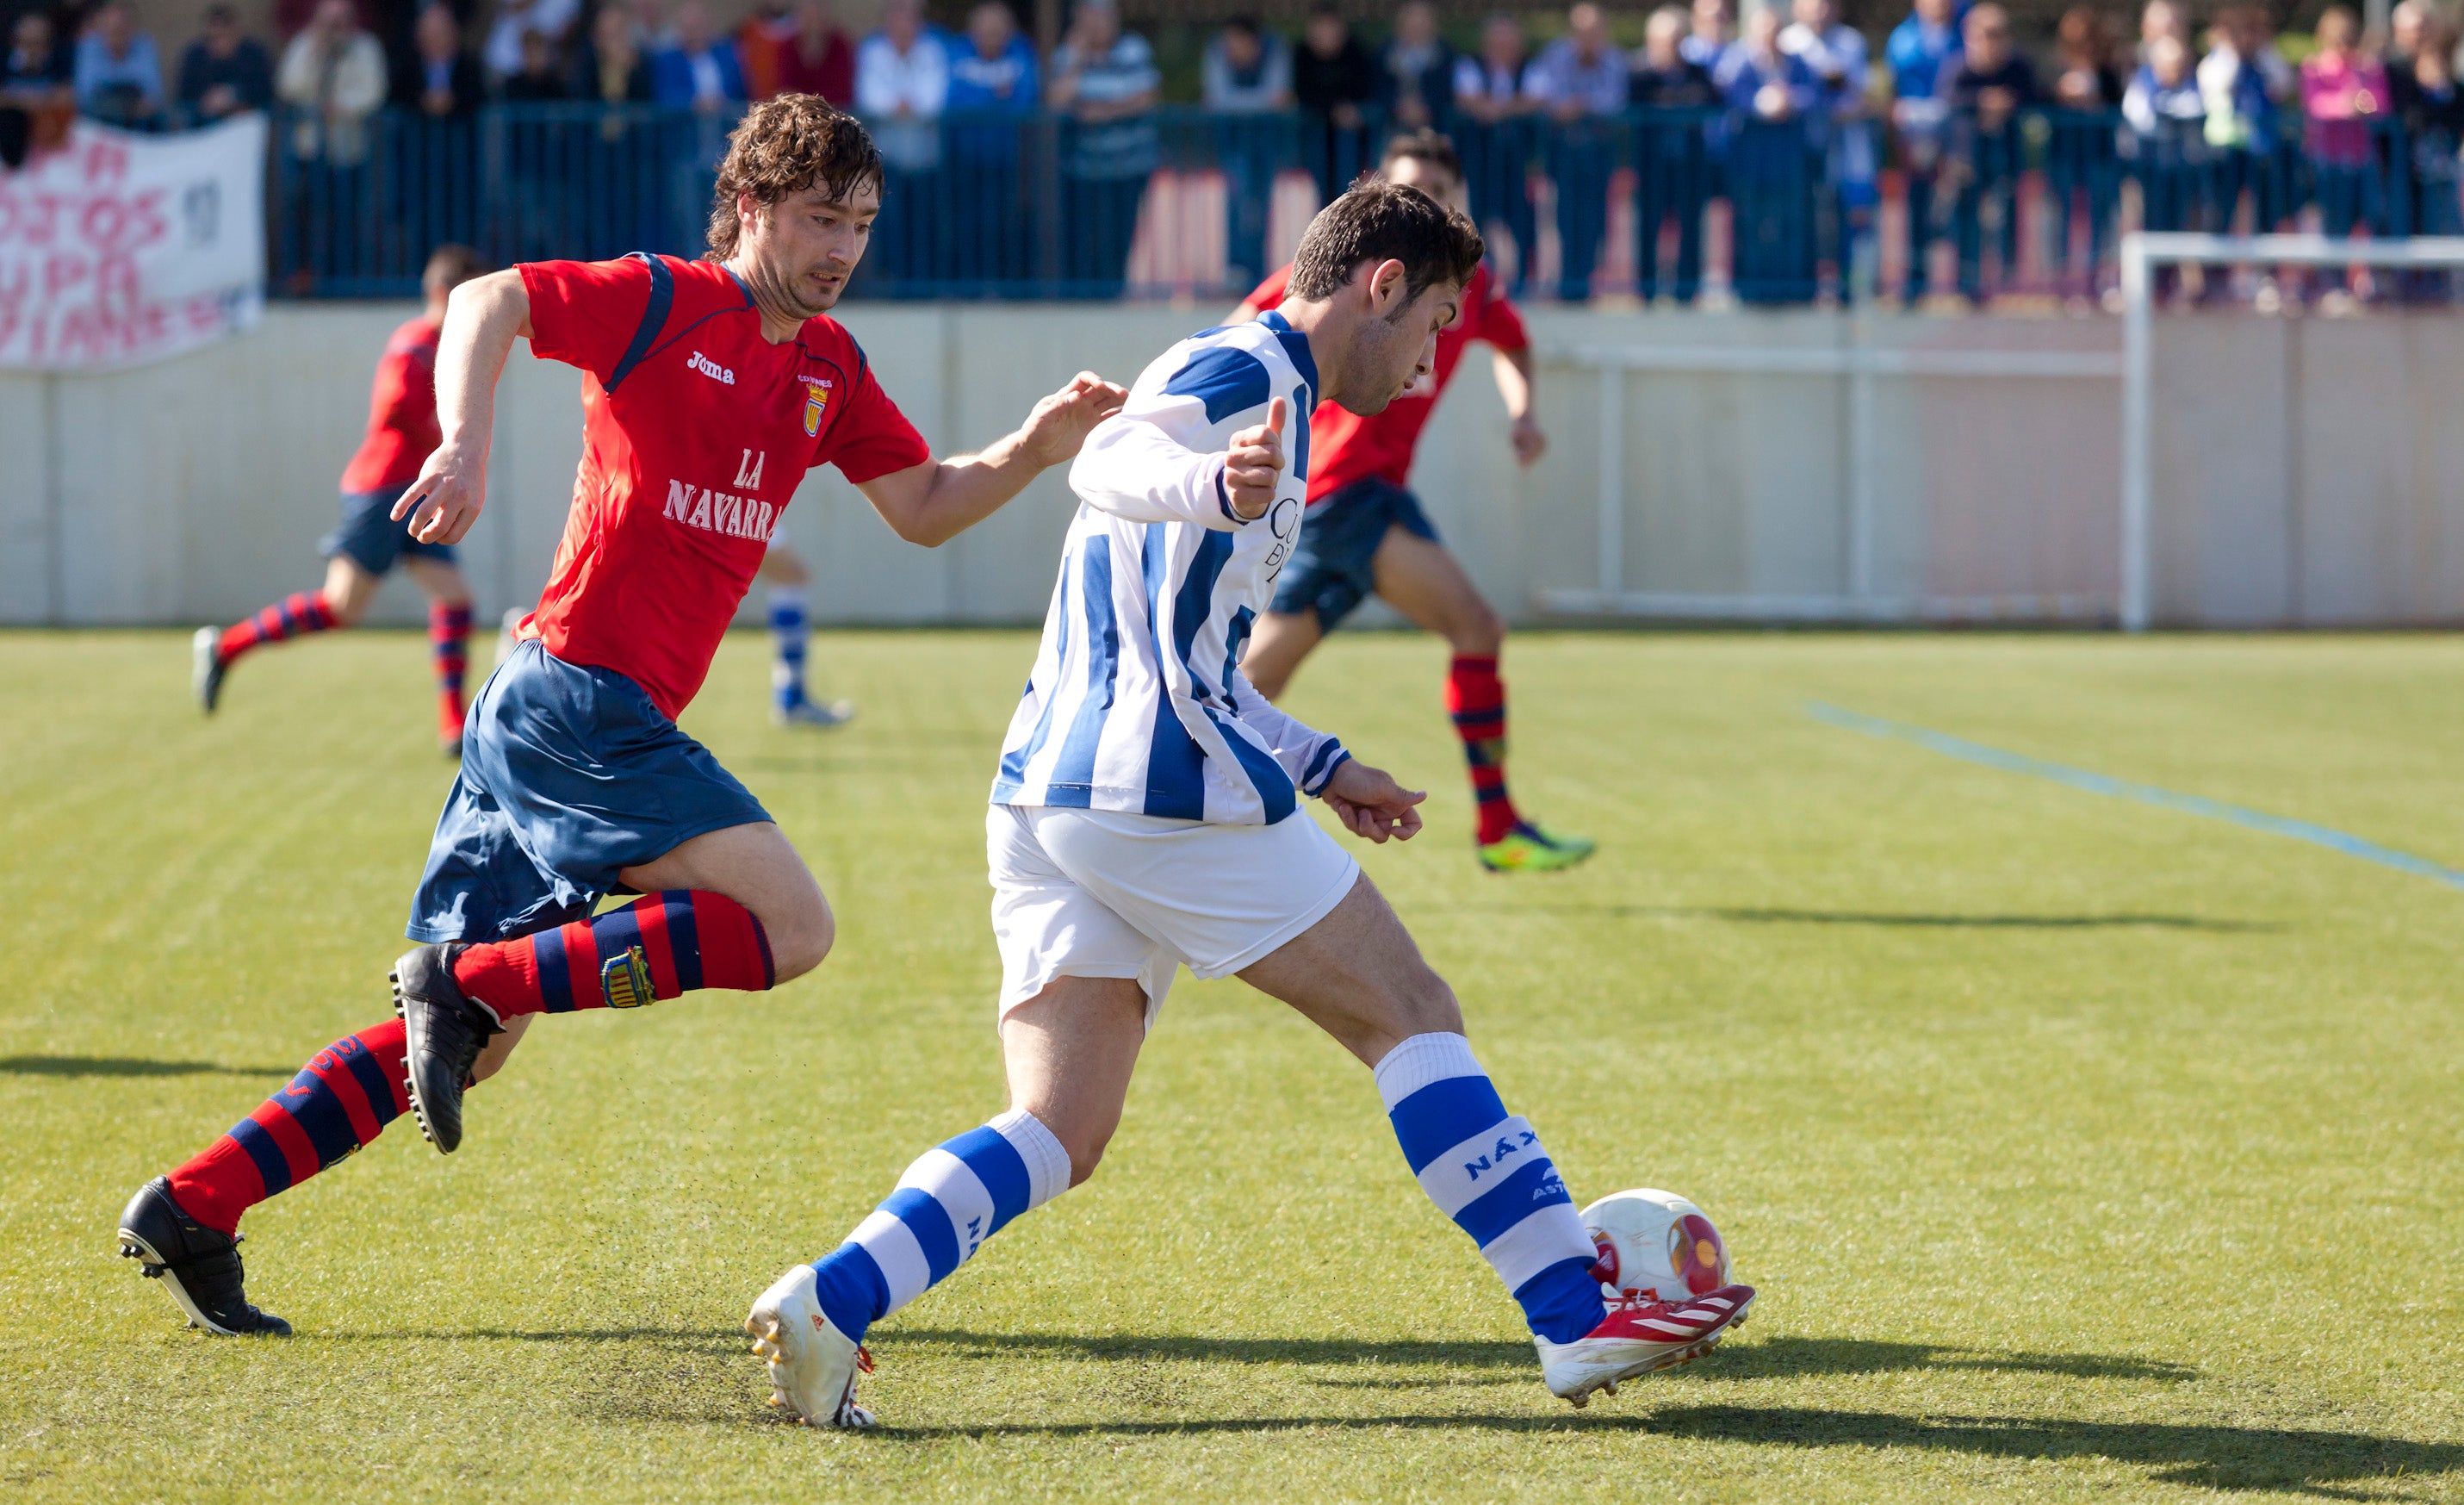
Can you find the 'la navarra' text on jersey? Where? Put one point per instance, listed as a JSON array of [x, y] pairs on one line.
[[1137, 701], [695, 432]]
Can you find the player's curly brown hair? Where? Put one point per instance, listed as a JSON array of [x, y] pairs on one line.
[[785, 146]]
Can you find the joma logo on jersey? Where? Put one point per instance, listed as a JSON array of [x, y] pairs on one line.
[[710, 368], [717, 512]]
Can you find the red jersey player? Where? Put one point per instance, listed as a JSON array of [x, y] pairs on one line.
[[708, 387], [1366, 533], [358, 554]]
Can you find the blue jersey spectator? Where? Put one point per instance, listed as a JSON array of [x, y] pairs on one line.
[[993, 90], [1921, 53], [992, 68], [1918, 51], [119, 75], [699, 71]]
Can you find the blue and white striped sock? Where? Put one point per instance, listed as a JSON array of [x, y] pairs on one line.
[[1489, 1173], [956, 1196], [788, 629]]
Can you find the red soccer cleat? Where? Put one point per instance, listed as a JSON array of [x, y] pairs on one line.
[[1640, 1334]]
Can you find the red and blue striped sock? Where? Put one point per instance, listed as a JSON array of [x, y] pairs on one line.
[[294, 615], [1476, 698], [448, 634], [660, 946], [340, 1100]]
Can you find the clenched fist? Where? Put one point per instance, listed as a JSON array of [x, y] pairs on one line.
[[1254, 465]]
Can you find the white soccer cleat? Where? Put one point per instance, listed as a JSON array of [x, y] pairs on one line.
[[1640, 1334], [813, 1366]]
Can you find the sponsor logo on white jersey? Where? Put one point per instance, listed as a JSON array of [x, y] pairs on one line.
[[710, 368]]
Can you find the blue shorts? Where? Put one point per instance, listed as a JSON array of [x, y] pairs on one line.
[[371, 538], [1329, 571], [569, 775]]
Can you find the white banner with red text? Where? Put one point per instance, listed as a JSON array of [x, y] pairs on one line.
[[120, 250]]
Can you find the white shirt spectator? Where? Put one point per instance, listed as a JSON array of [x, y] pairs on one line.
[[502, 56], [335, 88], [901, 96]]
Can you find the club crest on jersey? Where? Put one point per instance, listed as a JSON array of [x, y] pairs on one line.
[[817, 398], [625, 980]]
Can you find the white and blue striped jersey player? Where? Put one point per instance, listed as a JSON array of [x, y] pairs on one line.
[[1143, 819], [1136, 702]]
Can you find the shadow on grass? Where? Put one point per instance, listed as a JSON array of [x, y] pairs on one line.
[[127, 1066], [2211, 1457], [1834, 916], [1778, 1359]]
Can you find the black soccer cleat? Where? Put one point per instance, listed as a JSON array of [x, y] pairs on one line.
[[443, 1033], [198, 1265], [206, 668]]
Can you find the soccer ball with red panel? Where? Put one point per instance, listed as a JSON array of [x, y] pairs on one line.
[[1655, 1243]]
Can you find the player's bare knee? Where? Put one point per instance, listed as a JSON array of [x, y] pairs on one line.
[[800, 937], [1480, 633], [347, 605], [1424, 1005]]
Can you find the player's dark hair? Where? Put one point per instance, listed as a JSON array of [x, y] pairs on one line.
[[1377, 221], [1425, 146], [449, 267], [785, 146]]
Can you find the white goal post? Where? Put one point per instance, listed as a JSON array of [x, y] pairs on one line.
[[2143, 252]]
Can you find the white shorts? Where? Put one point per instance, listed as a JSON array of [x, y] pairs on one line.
[[1105, 894]]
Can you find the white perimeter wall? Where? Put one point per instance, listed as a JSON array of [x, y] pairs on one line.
[[2307, 471]]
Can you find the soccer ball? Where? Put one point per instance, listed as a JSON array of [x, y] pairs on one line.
[[1657, 1243]]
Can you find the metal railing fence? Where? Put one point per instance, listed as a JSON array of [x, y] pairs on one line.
[[1655, 203]]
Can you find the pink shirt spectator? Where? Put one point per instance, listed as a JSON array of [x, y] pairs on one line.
[[2341, 93]]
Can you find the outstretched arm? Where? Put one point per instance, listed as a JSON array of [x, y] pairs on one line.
[[936, 501], [1135, 467], [481, 321]]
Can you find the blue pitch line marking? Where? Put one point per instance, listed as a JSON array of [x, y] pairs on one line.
[[1967, 751]]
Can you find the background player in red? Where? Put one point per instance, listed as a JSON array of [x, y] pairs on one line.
[[1366, 533], [709, 389], [402, 433]]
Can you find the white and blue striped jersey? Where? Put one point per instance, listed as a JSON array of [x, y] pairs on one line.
[[1137, 701]]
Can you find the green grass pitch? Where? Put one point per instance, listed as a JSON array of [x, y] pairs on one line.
[[2080, 1149]]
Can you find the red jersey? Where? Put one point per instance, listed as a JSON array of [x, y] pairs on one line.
[[402, 413], [1344, 447], [695, 432]]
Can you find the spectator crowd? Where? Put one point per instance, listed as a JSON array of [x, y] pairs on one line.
[[1950, 129]]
